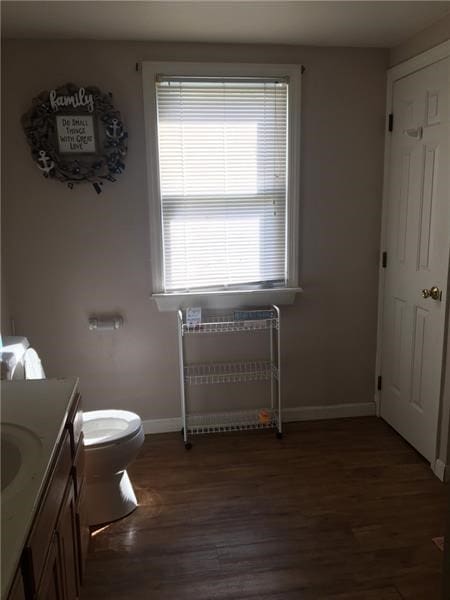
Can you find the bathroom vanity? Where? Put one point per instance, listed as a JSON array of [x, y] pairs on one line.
[[44, 526]]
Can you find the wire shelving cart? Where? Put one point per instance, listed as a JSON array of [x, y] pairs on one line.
[[260, 320]]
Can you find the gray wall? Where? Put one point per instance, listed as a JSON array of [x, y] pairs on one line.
[[424, 40], [70, 253]]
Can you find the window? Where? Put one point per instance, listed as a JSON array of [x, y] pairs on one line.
[[222, 143]]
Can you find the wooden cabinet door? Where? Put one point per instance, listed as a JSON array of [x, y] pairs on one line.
[[51, 586], [67, 529], [17, 590], [83, 530]]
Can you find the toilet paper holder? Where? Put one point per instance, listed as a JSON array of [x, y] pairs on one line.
[[105, 323]]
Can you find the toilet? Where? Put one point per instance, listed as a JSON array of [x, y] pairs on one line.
[[112, 440]]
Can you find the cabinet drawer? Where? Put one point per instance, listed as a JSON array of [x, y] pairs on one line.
[[44, 525], [78, 467], [75, 423]]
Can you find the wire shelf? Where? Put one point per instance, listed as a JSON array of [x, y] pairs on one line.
[[231, 372], [231, 421], [258, 319], [227, 324]]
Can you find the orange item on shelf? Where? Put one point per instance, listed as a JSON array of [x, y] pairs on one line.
[[264, 416]]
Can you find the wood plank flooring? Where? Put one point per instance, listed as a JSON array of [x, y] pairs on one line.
[[336, 510]]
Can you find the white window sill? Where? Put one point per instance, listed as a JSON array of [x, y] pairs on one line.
[[231, 299]]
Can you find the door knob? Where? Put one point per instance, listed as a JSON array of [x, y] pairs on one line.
[[434, 293]]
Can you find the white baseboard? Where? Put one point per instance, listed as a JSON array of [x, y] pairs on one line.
[[441, 470], [377, 404], [162, 425], [336, 411], [298, 413]]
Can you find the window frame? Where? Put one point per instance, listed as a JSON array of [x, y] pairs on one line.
[[222, 299]]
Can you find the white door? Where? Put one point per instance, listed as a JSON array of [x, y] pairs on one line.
[[418, 237]]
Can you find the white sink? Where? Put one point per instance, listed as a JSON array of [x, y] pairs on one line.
[[21, 450]]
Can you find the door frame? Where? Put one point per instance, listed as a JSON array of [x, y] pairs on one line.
[[425, 59]]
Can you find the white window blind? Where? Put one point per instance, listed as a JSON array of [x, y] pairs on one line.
[[223, 173]]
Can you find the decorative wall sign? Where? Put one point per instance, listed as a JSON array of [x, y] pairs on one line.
[[76, 135]]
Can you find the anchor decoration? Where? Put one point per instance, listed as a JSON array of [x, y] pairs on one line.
[[47, 163], [83, 135], [115, 130]]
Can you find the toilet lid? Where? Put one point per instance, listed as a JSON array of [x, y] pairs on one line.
[[33, 365], [107, 426]]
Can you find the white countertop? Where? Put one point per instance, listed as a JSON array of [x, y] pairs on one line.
[[41, 406]]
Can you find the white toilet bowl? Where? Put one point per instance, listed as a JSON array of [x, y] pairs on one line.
[[112, 439]]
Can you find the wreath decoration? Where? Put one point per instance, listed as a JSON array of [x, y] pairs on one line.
[[76, 135]]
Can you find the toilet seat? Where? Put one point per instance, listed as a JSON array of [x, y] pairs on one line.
[[102, 427]]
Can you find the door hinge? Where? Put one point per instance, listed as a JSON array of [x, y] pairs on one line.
[[384, 260], [390, 121], [379, 383]]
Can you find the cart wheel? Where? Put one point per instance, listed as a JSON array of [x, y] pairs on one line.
[[279, 435], [188, 445]]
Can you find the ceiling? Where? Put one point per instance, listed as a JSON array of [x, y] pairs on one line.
[[335, 23]]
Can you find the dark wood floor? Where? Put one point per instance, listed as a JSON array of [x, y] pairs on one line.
[[341, 509]]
